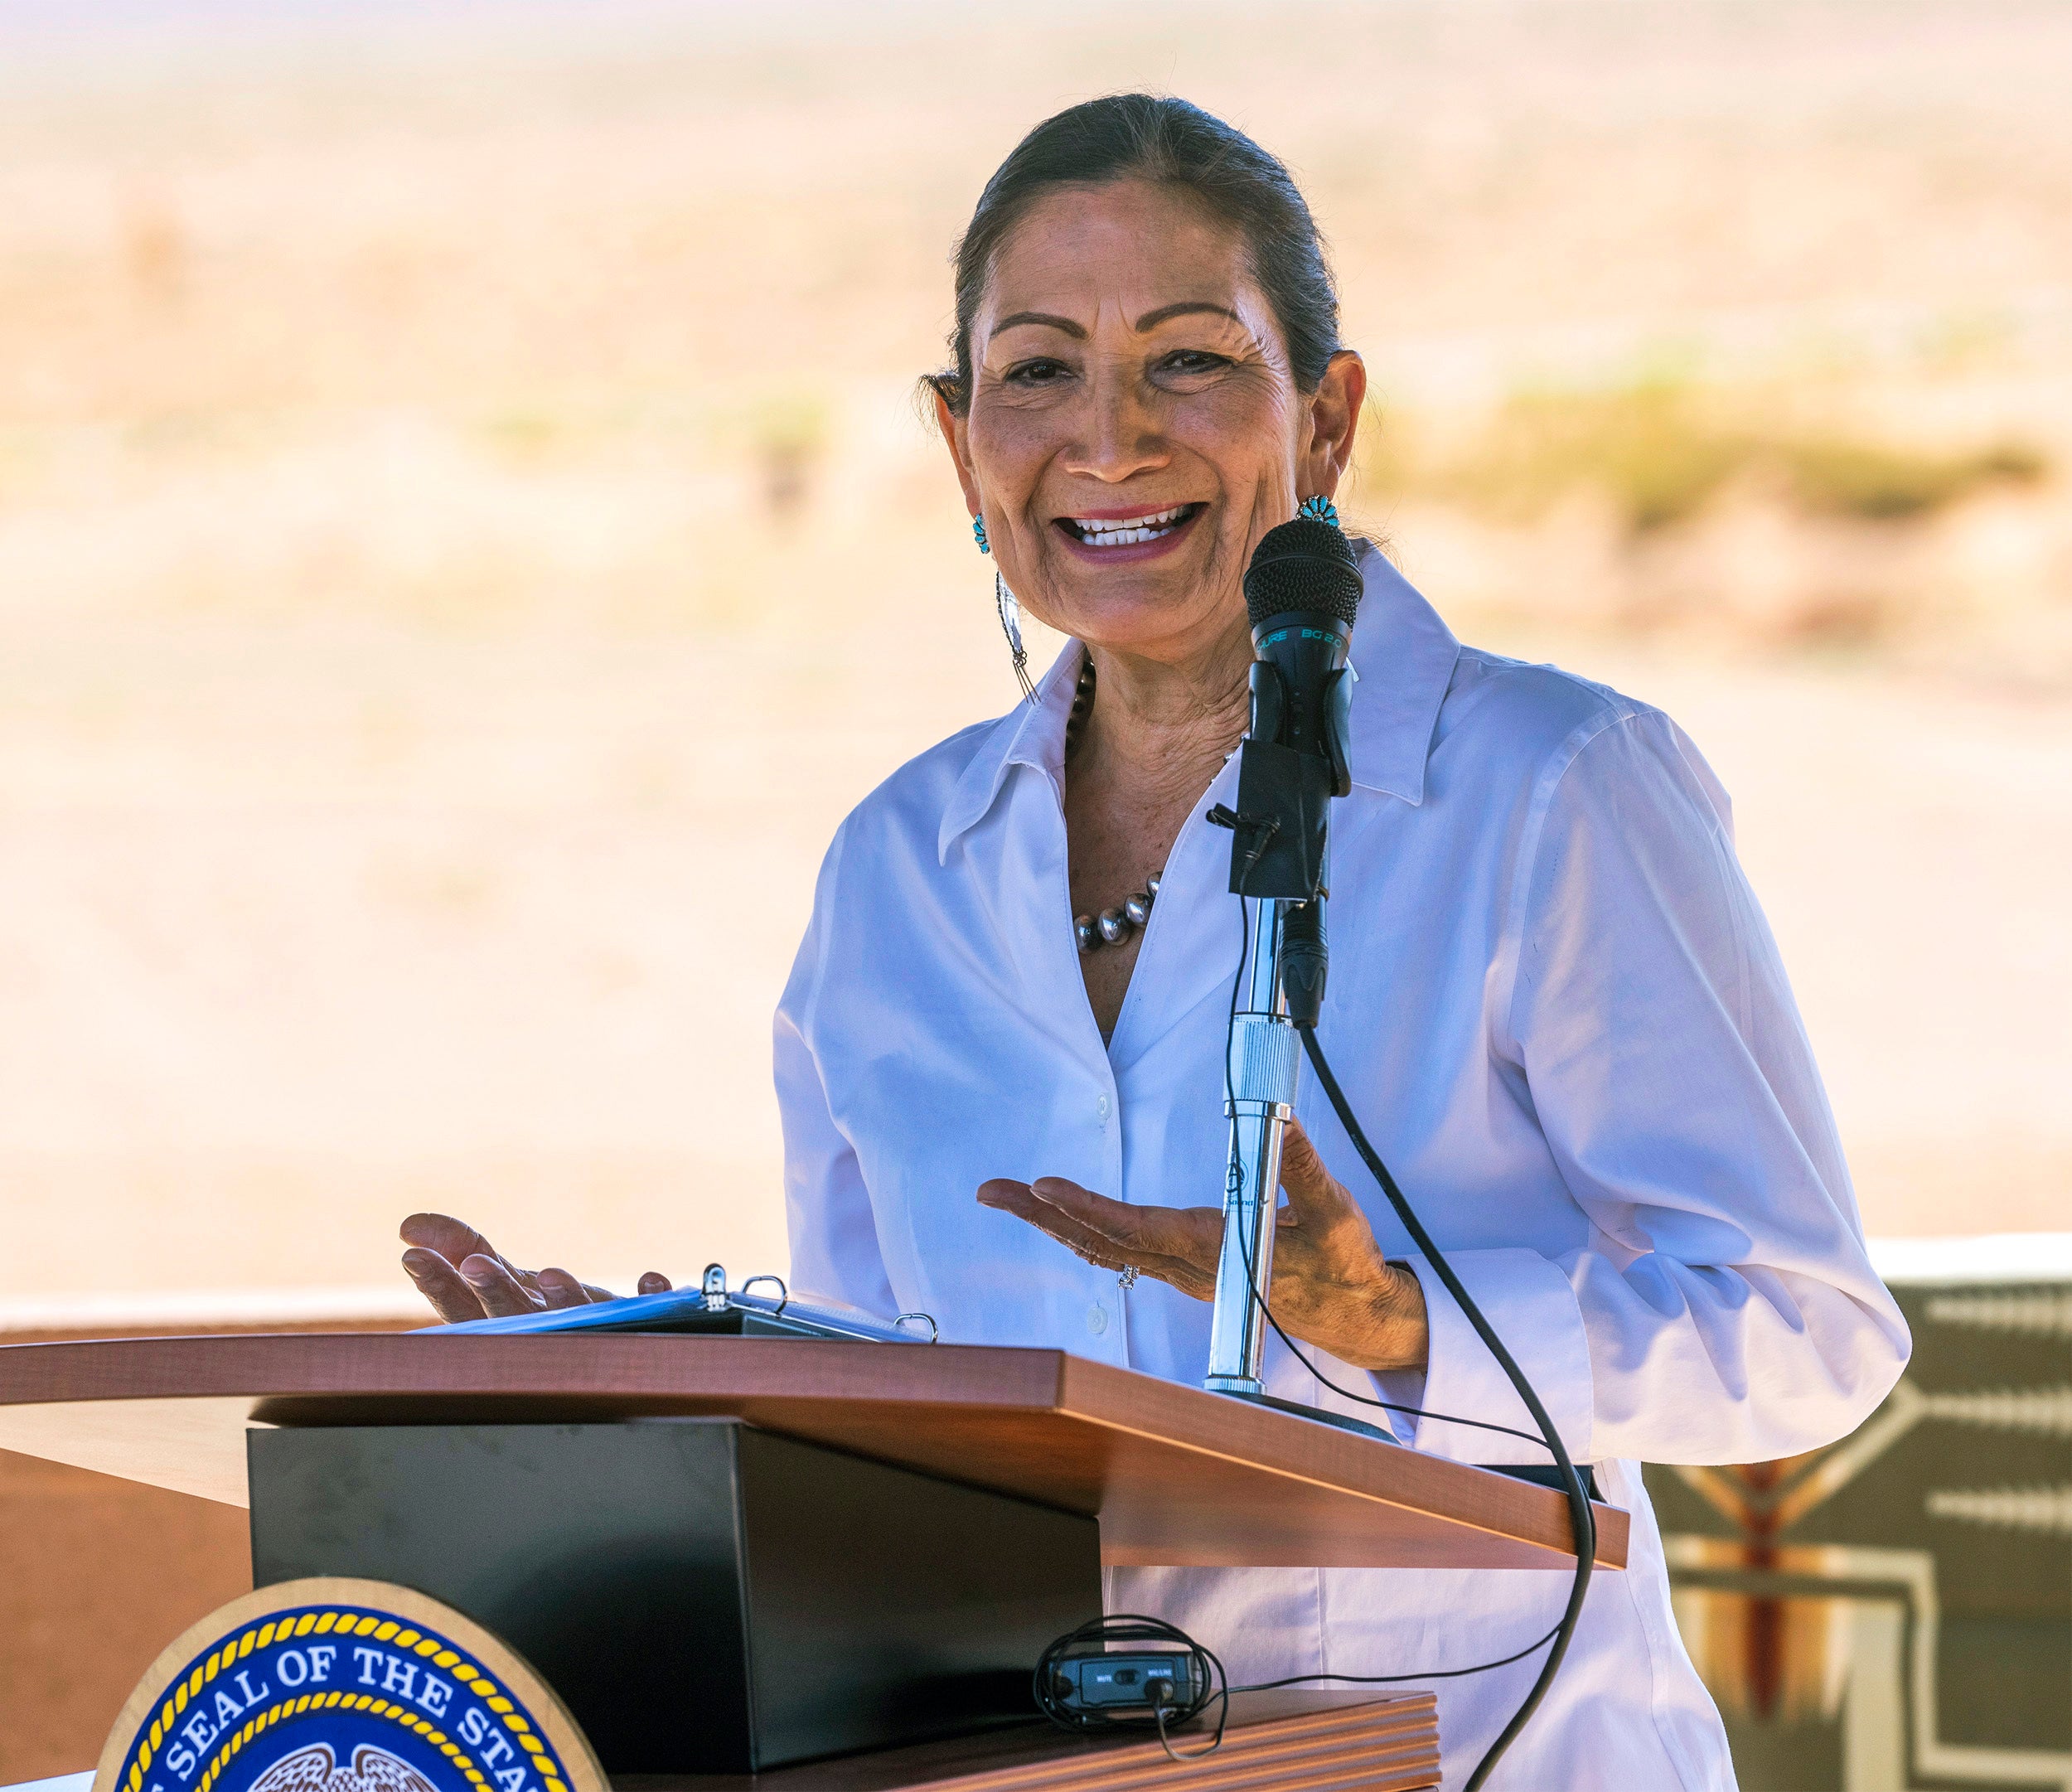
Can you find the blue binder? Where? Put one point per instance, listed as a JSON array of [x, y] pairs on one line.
[[721, 1313]]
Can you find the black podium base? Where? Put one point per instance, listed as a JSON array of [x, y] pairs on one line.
[[705, 1597]]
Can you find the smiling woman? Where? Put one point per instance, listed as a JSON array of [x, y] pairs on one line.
[[1147, 378], [1555, 1004]]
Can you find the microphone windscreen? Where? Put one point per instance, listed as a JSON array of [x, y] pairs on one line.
[[1305, 564]]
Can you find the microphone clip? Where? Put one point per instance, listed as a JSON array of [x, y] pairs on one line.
[[1284, 800]]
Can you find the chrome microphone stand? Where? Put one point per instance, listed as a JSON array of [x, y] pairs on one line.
[[1263, 1063]]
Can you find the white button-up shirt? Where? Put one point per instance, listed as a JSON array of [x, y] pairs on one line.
[[1561, 1018]]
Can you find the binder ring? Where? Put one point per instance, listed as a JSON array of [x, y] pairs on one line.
[[784, 1294], [933, 1334]]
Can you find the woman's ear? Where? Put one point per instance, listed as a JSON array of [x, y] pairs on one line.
[[955, 438], [1334, 422]]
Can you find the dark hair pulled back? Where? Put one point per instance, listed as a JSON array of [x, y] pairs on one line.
[[1148, 137]]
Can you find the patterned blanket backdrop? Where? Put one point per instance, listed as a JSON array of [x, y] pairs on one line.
[[1894, 1613]]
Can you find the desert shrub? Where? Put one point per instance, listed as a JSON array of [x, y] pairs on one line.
[[1883, 484], [1660, 454], [1644, 448]]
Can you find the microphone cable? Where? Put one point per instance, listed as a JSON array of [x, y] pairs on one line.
[[1582, 1520]]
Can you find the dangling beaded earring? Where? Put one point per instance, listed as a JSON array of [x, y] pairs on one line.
[[1319, 509], [1010, 614]]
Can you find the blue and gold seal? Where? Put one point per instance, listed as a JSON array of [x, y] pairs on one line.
[[334, 1685]]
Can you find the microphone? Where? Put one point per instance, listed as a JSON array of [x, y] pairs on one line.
[[1302, 591]]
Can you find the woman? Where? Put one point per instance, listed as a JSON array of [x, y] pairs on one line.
[[1554, 1000]]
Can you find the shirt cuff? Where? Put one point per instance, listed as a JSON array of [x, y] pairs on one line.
[[1529, 1303]]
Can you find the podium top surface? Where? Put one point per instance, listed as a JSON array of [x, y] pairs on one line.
[[1176, 1476]]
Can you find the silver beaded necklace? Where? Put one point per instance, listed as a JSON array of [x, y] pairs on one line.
[[1112, 927]]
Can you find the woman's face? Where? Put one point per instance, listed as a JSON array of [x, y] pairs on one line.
[[1135, 427]]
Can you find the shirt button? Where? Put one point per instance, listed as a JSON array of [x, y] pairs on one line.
[[1102, 1105], [1097, 1318]]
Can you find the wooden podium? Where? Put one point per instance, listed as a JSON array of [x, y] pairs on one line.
[[1171, 1475]]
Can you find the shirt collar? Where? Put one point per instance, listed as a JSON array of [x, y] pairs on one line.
[[1032, 734], [1405, 655], [1408, 654]]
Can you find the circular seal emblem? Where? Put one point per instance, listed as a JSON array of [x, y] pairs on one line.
[[343, 1686]]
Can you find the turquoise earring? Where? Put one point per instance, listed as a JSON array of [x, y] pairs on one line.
[[1319, 509], [1010, 614]]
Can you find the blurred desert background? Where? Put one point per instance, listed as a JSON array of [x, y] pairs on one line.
[[467, 536]]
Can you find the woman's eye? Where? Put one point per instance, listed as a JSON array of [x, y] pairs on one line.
[[1040, 372], [1194, 360]]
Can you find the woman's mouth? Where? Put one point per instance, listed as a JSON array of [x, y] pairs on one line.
[[1111, 534]]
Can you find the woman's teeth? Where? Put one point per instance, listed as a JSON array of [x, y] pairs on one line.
[[1096, 534]]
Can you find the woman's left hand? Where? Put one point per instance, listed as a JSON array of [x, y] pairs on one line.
[[1332, 1287]]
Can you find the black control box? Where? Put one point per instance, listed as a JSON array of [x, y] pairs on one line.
[[1123, 1680]]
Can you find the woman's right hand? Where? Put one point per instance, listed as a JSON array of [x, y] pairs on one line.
[[465, 1276]]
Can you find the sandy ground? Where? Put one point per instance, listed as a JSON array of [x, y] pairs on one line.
[[331, 928], [465, 539]]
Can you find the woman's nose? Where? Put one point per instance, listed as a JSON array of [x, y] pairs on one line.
[[1119, 434]]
